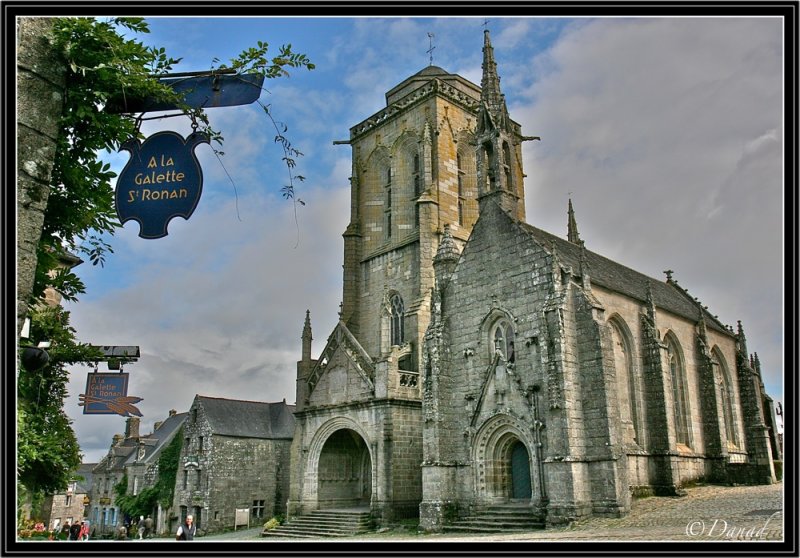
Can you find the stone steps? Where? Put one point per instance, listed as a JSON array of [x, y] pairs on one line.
[[323, 523], [498, 518]]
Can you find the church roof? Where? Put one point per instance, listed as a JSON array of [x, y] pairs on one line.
[[248, 419], [426, 75], [624, 280]]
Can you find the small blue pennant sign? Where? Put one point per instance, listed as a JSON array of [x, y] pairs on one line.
[[107, 394], [162, 180]]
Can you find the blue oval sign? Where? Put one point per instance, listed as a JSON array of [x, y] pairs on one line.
[[162, 180]]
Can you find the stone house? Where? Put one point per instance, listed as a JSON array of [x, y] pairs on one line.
[[104, 514], [479, 360], [235, 456], [68, 506], [142, 465]]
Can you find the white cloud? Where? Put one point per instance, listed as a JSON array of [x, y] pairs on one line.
[[667, 133]]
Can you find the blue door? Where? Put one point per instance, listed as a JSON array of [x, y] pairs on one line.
[[520, 472]]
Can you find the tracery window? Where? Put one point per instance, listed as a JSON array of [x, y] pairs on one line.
[[502, 339], [397, 315], [726, 393], [679, 392]]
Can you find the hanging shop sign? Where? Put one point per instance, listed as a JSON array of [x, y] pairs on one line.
[[221, 88], [162, 180], [107, 394]]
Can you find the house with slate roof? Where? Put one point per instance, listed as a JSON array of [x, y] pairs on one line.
[[68, 506], [481, 364], [235, 458], [104, 514], [142, 465]]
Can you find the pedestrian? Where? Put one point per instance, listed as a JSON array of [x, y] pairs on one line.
[[140, 527], [122, 533], [187, 530], [84, 534], [74, 531], [148, 527], [64, 534]]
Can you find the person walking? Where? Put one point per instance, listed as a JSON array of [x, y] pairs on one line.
[[148, 527], [140, 527], [186, 531], [83, 535]]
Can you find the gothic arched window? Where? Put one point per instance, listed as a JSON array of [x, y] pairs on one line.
[[502, 339], [726, 396], [398, 315], [680, 402], [627, 380]]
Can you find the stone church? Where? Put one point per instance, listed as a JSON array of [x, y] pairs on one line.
[[480, 361]]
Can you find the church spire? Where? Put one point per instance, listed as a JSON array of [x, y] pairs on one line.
[[572, 226], [498, 138], [490, 81]]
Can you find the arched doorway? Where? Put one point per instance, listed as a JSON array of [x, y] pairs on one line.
[[505, 463], [520, 472], [344, 471]]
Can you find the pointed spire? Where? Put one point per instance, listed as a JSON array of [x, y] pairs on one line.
[[572, 226], [307, 337], [490, 81], [740, 338]]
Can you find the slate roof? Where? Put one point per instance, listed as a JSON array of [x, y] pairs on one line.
[[156, 441], [249, 419], [85, 471], [624, 280]]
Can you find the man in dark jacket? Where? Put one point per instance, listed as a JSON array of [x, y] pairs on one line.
[[74, 531], [187, 530]]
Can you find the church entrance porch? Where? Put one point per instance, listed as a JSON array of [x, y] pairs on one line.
[[344, 472], [505, 464]]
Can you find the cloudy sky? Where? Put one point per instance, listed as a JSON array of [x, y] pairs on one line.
[[666, 133]]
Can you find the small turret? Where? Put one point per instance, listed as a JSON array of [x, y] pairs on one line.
[[446, 258]]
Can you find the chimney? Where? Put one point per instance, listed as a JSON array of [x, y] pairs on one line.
[[132, 427], [172, 412], [117, 440], [157, 425]]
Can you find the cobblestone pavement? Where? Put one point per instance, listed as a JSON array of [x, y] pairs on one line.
[[707, 513]]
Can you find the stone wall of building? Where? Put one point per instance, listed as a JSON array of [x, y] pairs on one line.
[[219, 474]]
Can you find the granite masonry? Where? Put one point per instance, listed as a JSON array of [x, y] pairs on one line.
[[479, 360]]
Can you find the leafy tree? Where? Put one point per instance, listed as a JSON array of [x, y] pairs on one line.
[[104, 65], [47, 450], [101, 64]]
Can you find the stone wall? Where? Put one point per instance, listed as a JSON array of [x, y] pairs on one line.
[[226, 473]]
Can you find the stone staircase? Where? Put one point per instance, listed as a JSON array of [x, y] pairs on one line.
[[324, 523], [499, 518]]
